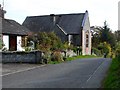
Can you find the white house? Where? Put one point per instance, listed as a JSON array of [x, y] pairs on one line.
[[13, 34]]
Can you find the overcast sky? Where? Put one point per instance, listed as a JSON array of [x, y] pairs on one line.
[[99, 10]]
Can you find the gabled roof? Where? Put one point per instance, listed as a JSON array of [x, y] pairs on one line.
[[12, 27], [38, 23], [69, 23]]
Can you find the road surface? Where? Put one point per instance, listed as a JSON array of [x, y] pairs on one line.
[[82, 73]]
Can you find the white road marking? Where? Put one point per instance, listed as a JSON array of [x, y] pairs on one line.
[[94, 73], [22, 70]]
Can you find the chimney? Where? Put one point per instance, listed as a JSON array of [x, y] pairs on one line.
[[2, 12], [53, 18]]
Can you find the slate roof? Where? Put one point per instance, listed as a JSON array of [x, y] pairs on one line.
[[40, 23], [70, 23], [12, 27]]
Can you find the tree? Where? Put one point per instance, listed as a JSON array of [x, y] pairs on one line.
[[96, 30], [117, 34], [118, 49], [103, 34], [105, 48], [106, 35], [56, 42]]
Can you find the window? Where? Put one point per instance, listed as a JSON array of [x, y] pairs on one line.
[[87, 40], [87, 45]]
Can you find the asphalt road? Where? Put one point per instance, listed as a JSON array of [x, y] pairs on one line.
[[83, 73]]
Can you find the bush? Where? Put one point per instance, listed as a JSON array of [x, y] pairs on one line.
[[118, 54], [105, 48], [96, 51], [57, 56], [118, 50], [45, 41], [46, 57], [28, 49]]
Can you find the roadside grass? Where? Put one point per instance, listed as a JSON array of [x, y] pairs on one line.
[[80, 57], [112, 79], [73, 58], [54, 62]]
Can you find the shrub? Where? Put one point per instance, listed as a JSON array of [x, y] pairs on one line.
[[118, 50], [118, 53], [57, 56], [105, 48], [46, 41], [28, 49], [46, 57], [96, 51], [113, 78]]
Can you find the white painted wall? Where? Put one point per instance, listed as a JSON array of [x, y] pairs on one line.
[[19, 43], [86, 28], [83, 42], [90, 43], [70, 39], [6, 41]]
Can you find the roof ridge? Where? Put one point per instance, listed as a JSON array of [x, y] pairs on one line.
[[56, 14]]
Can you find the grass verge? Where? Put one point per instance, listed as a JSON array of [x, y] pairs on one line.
[[78, 57], [73, 58], [54, 62], [113, 78]]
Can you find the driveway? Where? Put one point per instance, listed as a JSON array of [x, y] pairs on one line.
[[81, 73]]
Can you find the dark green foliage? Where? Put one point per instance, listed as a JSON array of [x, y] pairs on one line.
[[46, 41], [113, 78], [118, 50], [103, 34], [117, 35], [107, 36], [96, 51], [105, 48], [96, 36]]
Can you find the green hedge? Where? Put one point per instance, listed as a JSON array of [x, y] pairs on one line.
[[113, 78]]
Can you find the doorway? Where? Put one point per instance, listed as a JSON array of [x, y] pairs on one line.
[[12, 42]]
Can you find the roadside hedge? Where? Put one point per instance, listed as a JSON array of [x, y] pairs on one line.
[[113, 78]]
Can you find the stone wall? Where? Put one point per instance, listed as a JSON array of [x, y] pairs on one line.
[[19, 56]]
